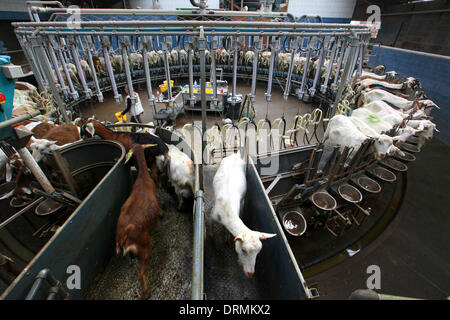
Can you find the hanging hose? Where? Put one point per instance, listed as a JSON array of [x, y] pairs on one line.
[[279, 121], [224, 132], [259, 137], [213, 136], [294, 129], [316, 119]]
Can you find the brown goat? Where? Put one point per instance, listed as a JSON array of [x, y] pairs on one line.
[[63, 134], [42, 129], [139, 216], [160, 150]]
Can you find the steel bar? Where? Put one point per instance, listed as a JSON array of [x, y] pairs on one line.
[[126, 65], [176, 31], [352, 52], [56, 67], [325, 42], [202, 48], [212, 72], [148, 79], [111, 73], [19, 213], [287, 88], [31, 59], [47, 71], [324, 86], [339, 64], [13, 121], [198, 250], [235, 59], [94, 73], [306, 67], [165, 48], [76, 58], [73, 92], [196, 23], [257, 46], [36, 170], [191, 76], [273, 51]]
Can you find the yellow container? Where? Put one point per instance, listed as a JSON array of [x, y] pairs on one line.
[[163, 87], [121, 118]]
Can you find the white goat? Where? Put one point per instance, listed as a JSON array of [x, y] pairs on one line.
[[181, 174], [342, 131], [229, 189]]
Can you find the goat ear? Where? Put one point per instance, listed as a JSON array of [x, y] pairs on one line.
[[128, 156], [238, 238], [264, 236], [90, 128]]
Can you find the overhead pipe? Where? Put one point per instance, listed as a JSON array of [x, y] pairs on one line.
[[205, 24], [175, 32]]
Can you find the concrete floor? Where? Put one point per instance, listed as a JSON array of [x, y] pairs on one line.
[[277, 107]]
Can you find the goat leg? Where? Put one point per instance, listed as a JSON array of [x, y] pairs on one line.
[[180, 203], [154, 172], [144, 256]]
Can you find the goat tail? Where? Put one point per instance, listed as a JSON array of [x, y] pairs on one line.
[[121, 241]]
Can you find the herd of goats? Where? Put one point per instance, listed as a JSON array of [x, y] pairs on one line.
[[179, 57], [378, 106]]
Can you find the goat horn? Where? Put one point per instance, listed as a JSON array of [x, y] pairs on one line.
[[149, 145]]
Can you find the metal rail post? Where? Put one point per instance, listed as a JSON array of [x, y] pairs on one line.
[[89, 49], [151, 99], [324, 86], [39, 42], [105, 45], [353, 51], [202, 48], [257, 46], [126, 64], [325, 43]]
